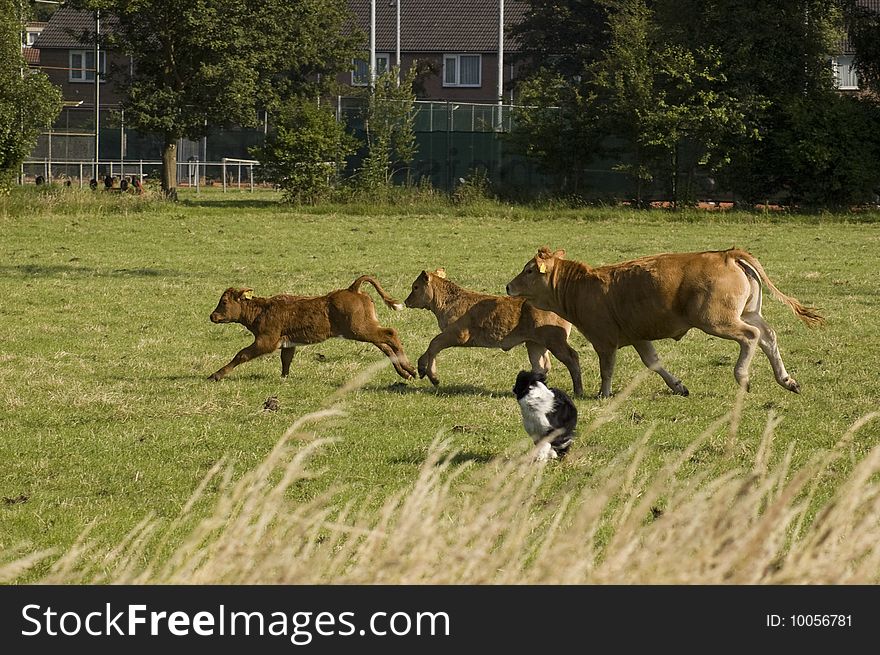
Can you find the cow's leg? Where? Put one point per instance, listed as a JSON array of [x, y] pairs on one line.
[[398, 356], [387, 341], [427, 362], [569, 357], [650, 359], [539, 357], [771, 349], [257, 348], [607, 358], [748, 337], [286, 356]]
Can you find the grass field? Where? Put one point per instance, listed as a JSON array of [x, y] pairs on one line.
[[106, 415]]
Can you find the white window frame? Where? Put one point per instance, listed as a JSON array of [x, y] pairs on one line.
[[80, 74], [456, 57], [837, 63], [380, 68]]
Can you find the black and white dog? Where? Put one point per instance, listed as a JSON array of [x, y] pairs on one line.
[[549, 415]]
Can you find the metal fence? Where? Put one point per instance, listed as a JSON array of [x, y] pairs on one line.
[[228, 173], [453, 141]]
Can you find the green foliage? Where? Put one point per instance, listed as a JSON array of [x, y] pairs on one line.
[[216, 62], [389, 126], [667, 102], [28, 101], [306, 151], [670, 88], [472, 189], [829, 151], [557, 125], [864, 34]]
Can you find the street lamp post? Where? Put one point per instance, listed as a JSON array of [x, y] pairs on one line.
[[97, 88], [397, 53], [372, 45]]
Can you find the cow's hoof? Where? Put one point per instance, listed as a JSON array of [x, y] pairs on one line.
[[423, 369], [681, 390], [792, 386], [434, 380], [215, 378]]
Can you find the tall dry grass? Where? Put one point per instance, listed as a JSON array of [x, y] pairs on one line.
[[756, 526]]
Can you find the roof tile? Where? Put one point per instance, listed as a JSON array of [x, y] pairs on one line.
[[432, 26]]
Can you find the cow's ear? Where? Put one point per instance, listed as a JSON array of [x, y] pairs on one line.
[[559, 254], [247, 294], [424, 276], [441, 273], [544, 253]]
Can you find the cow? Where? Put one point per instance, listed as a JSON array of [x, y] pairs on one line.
[[469, 318], [286, 321], [663, 296]]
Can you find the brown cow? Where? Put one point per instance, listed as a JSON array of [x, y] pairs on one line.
[[286, 322], [468, 318], [633, 303]]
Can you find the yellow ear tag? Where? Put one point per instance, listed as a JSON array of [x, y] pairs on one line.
[[247, 295], [542, 267], [441, 273]]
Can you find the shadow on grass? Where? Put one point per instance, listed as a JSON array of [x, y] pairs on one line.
[[203, 377], [234, 203], [418, 458], [443, 390], [65, 270]]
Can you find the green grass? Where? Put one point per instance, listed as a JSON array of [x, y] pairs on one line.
[[106, 415]]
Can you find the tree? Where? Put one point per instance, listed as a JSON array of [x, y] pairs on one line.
[[390, 130], [864, 34], [556, 123], [28, 101], [201, 63], [306, 151]]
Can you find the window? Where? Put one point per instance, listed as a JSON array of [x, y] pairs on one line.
[[31, 37], [845, 77], [461, 70], [360, 76], [82, 65]]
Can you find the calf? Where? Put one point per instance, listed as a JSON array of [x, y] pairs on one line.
[[286, 322], [468, 318], [633, 303]]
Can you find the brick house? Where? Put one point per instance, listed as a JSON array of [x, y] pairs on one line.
[[66, 47], [455, 41]]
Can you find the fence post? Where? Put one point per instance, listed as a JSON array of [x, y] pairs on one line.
[[80, 175], [251, 171], [223, 162], [448, 146]]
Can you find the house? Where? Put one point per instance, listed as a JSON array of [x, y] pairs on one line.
[[455, 43], [28, 36], [845, 76], [67, 56]]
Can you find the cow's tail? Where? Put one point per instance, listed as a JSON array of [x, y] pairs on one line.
[[809, 315], [388, 300]]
